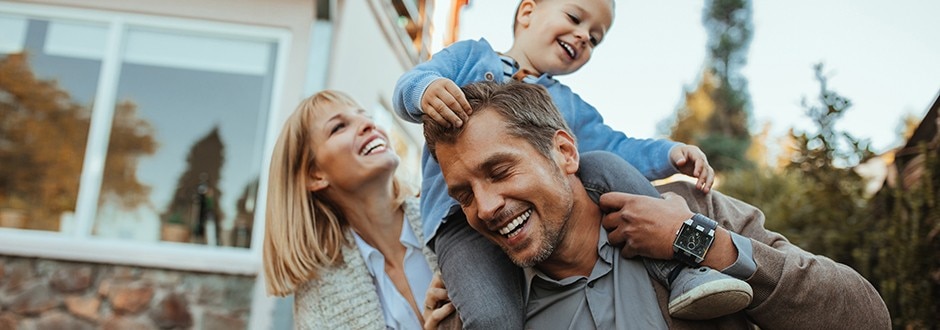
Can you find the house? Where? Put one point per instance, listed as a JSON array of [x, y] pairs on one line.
[[135, 139], [910, 158]]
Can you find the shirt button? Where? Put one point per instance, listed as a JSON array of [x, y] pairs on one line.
[[488, 76], [591, 284]]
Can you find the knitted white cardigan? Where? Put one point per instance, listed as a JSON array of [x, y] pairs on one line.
[[345, 297]]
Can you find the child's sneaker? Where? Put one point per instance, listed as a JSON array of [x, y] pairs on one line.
[[700, 293]]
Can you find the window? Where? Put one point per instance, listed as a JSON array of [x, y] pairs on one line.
[[133, 128]]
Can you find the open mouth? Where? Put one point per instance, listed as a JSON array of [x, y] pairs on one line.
[[512, 229], [373, 146], [568, 49]]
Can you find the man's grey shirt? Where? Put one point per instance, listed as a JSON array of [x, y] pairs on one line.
[[618, 294]]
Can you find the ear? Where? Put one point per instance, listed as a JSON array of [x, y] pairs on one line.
[[316, 182], [567, 150], [524, 15]]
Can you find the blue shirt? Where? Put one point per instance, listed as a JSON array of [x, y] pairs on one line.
[[472, 61], [395, 308]]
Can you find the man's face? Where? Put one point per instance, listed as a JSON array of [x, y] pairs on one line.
[[512, 194]]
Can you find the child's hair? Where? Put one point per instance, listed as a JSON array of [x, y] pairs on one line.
[[304, 232]]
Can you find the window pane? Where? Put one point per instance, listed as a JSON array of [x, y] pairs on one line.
[[47, 86], [186, 143]]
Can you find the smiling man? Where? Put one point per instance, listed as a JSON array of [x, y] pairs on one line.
[[513, 168]]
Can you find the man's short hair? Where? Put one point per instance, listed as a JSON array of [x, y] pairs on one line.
[[528, 110]]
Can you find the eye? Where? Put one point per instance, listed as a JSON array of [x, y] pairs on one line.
[[464, 198], [499, 173], [574, 19], [337, 127], [594, 41]]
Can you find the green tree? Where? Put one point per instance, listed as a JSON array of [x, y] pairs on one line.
[[817, 200], [719, 123], [906, 269]]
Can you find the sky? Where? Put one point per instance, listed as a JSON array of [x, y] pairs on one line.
[[882, 55]]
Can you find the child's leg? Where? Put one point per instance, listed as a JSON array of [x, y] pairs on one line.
[[484, 285], [602, 172], [695, 293]]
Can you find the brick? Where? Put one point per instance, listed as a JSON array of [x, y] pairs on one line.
[[59, 320], [72, 278], [8, 321], [172, 312], [122, 322], [130, 300], [35, 300], [85, 308]]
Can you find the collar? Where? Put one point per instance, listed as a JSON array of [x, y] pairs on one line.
[[375, 261], [512, 71], [605, 252]]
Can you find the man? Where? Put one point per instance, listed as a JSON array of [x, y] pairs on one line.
[[513, 168]]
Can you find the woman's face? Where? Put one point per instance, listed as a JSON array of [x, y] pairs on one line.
[[350, 151]]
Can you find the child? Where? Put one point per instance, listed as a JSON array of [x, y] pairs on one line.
[[552, 37]]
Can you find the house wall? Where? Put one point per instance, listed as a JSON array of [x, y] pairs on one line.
[[50, 294]]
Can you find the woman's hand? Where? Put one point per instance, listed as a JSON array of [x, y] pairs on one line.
[[437, 305]]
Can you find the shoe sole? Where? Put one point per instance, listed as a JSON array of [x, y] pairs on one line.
[[717, 298]]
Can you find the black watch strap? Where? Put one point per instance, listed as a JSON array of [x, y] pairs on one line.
[[703, 224]]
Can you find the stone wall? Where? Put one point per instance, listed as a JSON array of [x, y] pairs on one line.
[[50, 294]]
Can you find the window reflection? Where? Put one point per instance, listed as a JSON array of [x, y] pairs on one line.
[[185, 139], [205, 99], [46, 94]]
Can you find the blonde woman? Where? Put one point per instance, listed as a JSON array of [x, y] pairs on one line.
[[341, 233]]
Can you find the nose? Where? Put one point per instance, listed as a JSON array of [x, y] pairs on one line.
[[366, 124], [489, 203], [581, 35]]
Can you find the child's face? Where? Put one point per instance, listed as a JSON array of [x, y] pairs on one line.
[[558, 36]]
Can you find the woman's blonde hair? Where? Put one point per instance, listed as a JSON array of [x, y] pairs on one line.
[[304, 232]]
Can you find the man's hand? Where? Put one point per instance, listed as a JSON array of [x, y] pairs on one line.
[[691, 161], [437, 306], [644, 225], [444, 102]]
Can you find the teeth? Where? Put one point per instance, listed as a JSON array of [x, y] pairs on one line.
[[372, 146], [515, 223], [567, 48]]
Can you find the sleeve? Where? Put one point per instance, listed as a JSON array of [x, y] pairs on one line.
[[410, 86], [649, 156], [793, 289]]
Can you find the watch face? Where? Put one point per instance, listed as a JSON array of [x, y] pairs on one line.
[[692, 241]]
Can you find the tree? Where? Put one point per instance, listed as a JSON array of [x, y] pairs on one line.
[[833, 218], [817, 200], [43, 133], [197, 192], [906, 269], [716, 114]]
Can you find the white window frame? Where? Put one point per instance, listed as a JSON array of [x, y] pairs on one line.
[[81, 245]]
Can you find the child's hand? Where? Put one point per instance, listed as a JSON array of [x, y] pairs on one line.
[[445, 103], [691, 161]]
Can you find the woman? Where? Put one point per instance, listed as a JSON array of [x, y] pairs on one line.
[[341, 233]]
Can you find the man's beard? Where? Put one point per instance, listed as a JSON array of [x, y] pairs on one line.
[[552, 237]]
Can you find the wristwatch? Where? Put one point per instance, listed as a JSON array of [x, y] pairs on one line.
[[693, 239]]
